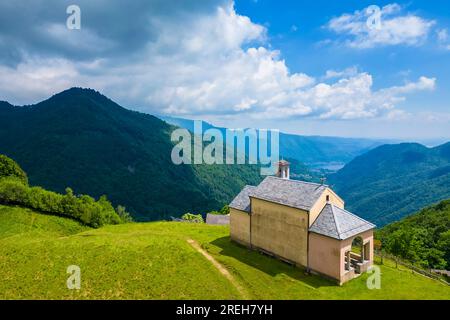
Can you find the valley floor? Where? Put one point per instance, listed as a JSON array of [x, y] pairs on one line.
[[166, 260]]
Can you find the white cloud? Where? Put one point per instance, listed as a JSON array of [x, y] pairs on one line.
[[424, 83], [442, 35], [396, 28], [83, 39], [348, 72], [434, 117], [397, 115], [353, 97], [35, 78], [211, 65]]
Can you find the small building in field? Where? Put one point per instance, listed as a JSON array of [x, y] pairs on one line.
[[218, 219], [304, 224]]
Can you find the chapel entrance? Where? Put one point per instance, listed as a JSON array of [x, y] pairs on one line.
[[358, 256]]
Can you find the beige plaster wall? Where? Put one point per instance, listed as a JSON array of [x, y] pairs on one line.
[[280, 230], [240, 226], [322, 201], [325, 255]]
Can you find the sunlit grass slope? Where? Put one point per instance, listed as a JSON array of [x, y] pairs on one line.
[[155, 261]]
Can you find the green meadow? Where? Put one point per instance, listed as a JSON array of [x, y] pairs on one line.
[[155, 261]]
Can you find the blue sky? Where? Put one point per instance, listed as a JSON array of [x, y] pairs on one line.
[[297, 27], [307, 67]]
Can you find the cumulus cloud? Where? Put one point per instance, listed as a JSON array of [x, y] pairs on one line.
[[443, 38], [348, 72], [190, 61], [395, 27], [442, 35], [36, 78]]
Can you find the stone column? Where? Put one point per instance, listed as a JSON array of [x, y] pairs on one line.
[[348, 260], [362, 253]]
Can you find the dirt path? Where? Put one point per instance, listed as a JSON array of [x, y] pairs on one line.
[[219, 267]]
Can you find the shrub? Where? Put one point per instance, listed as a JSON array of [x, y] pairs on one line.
[[9, 168], [13, 191], [83, 208], [196, 218], [223, 212], [123, 214]]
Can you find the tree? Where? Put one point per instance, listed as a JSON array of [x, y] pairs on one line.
[[444, 246], [397, 244], [222, 212], [123, 214], [14, 189], [436, 259], [9, 168], [225, 210]]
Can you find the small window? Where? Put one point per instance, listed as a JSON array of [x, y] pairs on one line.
[[328, 198]]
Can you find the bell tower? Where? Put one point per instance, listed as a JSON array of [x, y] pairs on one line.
[[283, 169]]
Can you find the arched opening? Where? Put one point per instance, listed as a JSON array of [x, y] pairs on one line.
[[357, 246], [356, 255]]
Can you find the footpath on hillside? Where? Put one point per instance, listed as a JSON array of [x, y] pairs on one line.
[[219, 267]]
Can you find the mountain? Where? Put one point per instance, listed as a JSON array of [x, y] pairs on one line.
[[423, 238], [83, 140], [393, 181], [317, 152]]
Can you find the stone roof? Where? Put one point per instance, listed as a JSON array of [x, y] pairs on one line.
[[242, 200], [338, 223], [292, 193]]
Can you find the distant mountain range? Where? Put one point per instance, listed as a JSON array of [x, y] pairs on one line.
[[392, 181], [83, 140], [317, 152]]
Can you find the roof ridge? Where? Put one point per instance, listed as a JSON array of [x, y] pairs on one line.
[[299, 181], [354, 228], [341, 218], [279, 201], [354, 215], [334, 218]]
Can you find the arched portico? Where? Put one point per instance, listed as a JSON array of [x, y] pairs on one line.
[[358, 254]]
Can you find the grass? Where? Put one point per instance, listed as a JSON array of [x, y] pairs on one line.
[[154, 261]]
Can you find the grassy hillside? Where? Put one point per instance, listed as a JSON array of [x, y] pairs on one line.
[[14, 190], [423, 238], [20, 223], [155, 261], [83, 140], [393, 181]]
